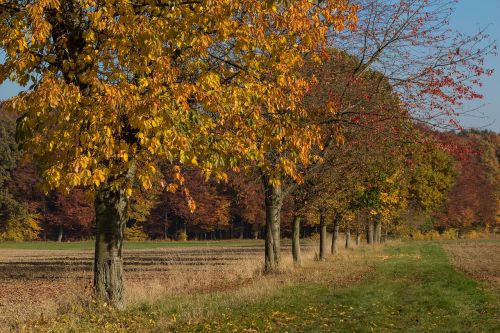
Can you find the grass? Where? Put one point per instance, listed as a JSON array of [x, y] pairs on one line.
[[89, 245], [411, 288]]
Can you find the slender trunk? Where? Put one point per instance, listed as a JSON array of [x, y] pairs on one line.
[[165, 224], [370, 232], [111, 216], [378, 231], [322, 236], [335, 236], [358, 238], [297, 259], [347, 238], [61, 233], [273, 203]]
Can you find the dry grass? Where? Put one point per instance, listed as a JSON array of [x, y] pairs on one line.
[[477, 259], [36, 283]]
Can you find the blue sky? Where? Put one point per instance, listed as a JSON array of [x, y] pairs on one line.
[[469, 17]]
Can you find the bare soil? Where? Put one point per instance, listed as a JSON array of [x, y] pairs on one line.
[[478, 259], [36, 283]]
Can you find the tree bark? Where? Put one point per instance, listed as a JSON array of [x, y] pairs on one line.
[[297, 258], [273, 203], [60, 234], [370, 231], [347, 238], [322, 236], [335, 236], [358, 236], [378, 231], [111, 217]]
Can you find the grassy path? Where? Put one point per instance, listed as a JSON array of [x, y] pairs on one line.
[[414, 289], [411, 288]]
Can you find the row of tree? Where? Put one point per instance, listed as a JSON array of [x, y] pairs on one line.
[[307, 106], [444, 181]]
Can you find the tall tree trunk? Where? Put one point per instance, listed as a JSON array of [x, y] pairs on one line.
[[347, 238], [297, 258], [111, 208], [370, 232], [358, 236], [335, 236], [378, 231], [165, 224], [273, 203], [322, 236], [255, 234], [60, 234]]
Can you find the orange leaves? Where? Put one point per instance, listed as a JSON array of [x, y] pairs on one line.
[[212, 84]]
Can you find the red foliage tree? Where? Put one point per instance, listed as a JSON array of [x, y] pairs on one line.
[[473, 202]]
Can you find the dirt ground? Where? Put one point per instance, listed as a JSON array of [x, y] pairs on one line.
[[33, 283], [36, 283], [478, 259]]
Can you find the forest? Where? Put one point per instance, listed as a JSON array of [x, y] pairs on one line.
[[446, 181], [293, 130]]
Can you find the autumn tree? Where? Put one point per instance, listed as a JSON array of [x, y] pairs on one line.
[[115, 86], [432, 67], [16, 221], [473, 200]]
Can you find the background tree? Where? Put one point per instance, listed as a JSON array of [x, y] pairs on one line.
[[16, 221]]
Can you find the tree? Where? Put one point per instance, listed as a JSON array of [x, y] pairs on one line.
[[473, 200], [432, 84], [117, 86], [16, 222]]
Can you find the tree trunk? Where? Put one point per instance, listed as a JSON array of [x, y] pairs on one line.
[[111, 209], [255, 234], [297, 258], [60, 234], [358, 236], [273, 202], [370, 231], [322, 236], [347, 238], [335, 236], [378, 231]]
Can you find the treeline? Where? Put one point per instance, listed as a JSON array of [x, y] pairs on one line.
[[193, 120], [449, 182]]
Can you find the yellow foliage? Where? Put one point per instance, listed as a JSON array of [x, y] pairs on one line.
[[478, 234], [135, 233], [149, 82], [182, 236], [435, 235], [21, 228]]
